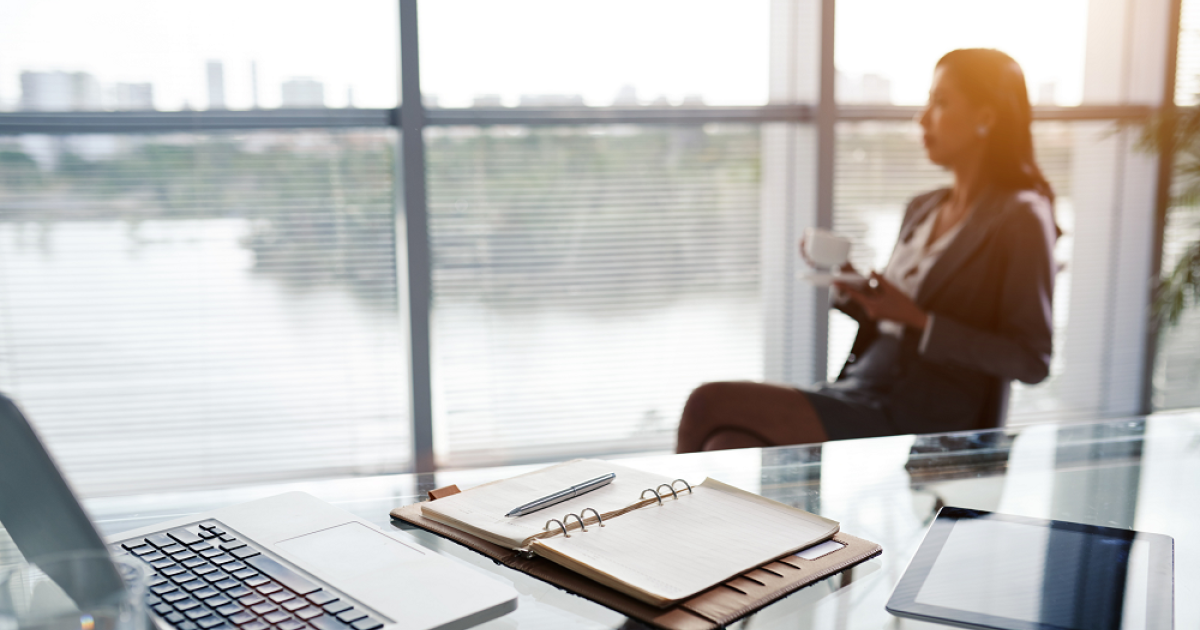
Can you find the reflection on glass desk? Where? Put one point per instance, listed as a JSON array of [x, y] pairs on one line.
[[1140, 473]]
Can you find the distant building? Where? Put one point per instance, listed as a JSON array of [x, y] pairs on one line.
[[551, 100], [626, 97], [303, 93], [872, 89], [59, 92], [487, 100], [692, 100], [134, 96], [216, 84]]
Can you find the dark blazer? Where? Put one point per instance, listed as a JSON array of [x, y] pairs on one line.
[[989, 298]]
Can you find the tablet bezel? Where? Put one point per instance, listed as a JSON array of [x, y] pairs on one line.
[[1160, 608]]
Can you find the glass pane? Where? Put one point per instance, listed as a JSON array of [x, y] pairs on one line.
[[624, 52], [1187, 72], [1047, 37], [224, 54], [1177, 365], [880, 166], [194, 310], [585, 280]]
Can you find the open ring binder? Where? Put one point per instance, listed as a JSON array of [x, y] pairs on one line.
[[560, 524], [564, 522], [656, 494]]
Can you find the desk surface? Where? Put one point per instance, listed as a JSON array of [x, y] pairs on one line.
[[1134, 473]]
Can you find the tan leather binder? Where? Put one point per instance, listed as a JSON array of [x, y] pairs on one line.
[[724, 603]]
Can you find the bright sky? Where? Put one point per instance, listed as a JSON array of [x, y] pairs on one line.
[[671, 48]]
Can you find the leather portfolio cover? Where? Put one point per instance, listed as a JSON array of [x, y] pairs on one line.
[[716, 607]]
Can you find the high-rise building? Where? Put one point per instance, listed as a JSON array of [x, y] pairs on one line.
[[59, 91], [303, 92], [216, 84], [135, 96]]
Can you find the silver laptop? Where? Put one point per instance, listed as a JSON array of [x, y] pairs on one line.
[[288, 562]]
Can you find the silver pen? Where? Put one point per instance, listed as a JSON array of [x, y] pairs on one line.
[[559, 497]]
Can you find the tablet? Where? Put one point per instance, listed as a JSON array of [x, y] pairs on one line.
[[979, 569]]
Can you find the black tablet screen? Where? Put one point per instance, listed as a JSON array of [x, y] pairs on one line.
[[1007, 572]]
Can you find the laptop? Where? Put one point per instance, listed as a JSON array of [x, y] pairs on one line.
[[287, 562]]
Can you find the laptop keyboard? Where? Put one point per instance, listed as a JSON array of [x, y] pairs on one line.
[[203, 577]]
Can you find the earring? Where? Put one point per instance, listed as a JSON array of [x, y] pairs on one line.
[[982, 131]]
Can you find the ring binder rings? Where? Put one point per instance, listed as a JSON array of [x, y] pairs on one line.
[[564, 523]]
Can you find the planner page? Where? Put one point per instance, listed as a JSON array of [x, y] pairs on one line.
[[664, 553], [481, 510]]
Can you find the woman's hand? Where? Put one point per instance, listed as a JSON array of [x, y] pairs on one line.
[[882, 300]]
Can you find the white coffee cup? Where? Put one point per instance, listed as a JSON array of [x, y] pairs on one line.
[[826, 249]]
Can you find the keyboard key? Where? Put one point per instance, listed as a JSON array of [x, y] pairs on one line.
[[209, 525], [175, 548], [183, 555], [228, 538], [293, 605], [244, 573], [264, 608], [236, 565], [169, 571], [218, 531], [201, 546], [308, 613], [186, 604], [242, 618], [325, 622], [283, 575], [152, 599], [232, 544], [193, 562], [206, 592], [174, 596], [337, 607], [252, 600], [160, 540], [218, 601], [174, 617], [210, 622], [256, 581], [268, 588], [228, 609], [215, 576], [183, 536], [321, 598], [222, 559], [366, 623], [163, 564], [207, 535], [162, 588], [238, 591], [211, 553], [137, 547], [186, 625], [243, 553], [256, 625], [162, 609], [228, 584], [153, 556], [276, 617], [197, 613], [281, 596], [289, 624], [194, 585], [350, 616], [186, 576]]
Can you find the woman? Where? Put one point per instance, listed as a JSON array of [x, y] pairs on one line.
[[963, 306]]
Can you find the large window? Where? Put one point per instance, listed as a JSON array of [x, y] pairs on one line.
[[220, 262]]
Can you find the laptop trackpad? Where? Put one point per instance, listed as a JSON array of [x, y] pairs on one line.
[[348, 550]]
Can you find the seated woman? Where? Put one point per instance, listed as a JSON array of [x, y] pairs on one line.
[[963, 306]]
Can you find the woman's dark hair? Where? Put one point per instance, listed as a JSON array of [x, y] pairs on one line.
[[990, 78]]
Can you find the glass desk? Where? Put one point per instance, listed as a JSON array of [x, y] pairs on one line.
[[1141, 473]]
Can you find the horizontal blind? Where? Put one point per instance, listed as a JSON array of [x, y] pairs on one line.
[[882, 165], [1177, 362], [191, 310], [585, 280]]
